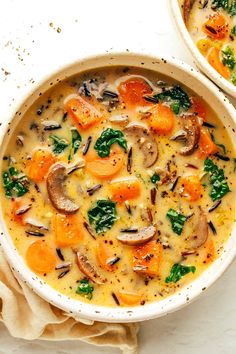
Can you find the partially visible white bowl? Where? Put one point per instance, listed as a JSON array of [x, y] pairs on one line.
[[186, 75], [201, 62]]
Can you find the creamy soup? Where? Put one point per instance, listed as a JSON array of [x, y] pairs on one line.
[[118, 186], [212, 26]]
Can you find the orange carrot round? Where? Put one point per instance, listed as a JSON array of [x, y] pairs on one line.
[[68, 229], [162, 119], [145, 263], [192, 187], [102, 254], [132, 91], [16, 204], [82, 112], [42, 160], [199, 107], [216, 26], [128, 298], [214, 60], [40, 257], [125, 190], [105, 167], [207, 146]]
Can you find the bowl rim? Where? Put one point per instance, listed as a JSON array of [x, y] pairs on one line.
[[201, 61], [83, 310]]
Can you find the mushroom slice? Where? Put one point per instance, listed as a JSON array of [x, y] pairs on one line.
[[200, 234], [135, 239], [88, 269], [192, 130], [145, 141], [56, 190], [187, 7]]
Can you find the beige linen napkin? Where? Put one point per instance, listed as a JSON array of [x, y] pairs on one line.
[[28, 316]]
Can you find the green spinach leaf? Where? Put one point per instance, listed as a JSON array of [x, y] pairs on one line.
[[75, 142], [228, 58], [59, 144], [177, 97], [217, 4], [177, 221], [178, 271], [103, 215], [107, 139], [15, 183], [155, 178], [219, 185], [85, 289]]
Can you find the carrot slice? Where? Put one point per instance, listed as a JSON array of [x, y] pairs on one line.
[[206, 145], [40, 257], [147, 258], [214, 60], [199, 107], [42, 160], [162, 119], [192, 187], [128, 298], [210, 251], [132, 91], [216, 26], [16, 204], [125, 190], [82, 112], [105, 167], [102, 254], [68, 229]]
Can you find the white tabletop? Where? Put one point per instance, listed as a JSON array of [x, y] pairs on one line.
[[31, 48]]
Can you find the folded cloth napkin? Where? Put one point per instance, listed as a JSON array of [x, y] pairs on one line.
[[28, 316]]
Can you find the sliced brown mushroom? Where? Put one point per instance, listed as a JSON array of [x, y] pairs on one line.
[[88, 269], [200, 234], [187, 7], [56, 190], [192, 129], [146, 142], [134, 239]]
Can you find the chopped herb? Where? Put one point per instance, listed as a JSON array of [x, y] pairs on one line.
[[59, 144], [175, 106], [177, 97], [232, 8], [229, 6], [75, 142], [103, 215], [233, 78], [220, 145], [177, 221], [228, 58], [155, 178], [15, 183], [217, 179], [233, 31], [178, 271], [107, 139], [224, 4], [85, 289], [76, 139]]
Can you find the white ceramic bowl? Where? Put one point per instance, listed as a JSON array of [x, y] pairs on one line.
[[200, 60], [176, 70]]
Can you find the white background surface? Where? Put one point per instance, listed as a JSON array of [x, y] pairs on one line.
[[29, 49]]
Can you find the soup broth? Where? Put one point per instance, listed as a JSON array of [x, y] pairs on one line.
[[118, 186]]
